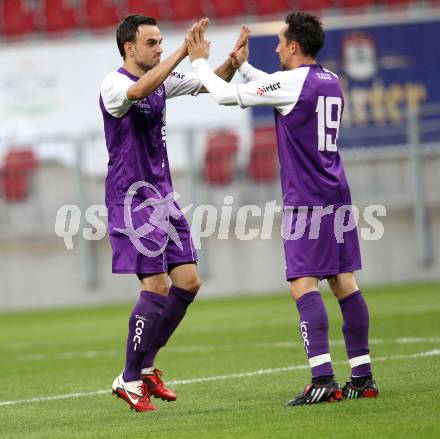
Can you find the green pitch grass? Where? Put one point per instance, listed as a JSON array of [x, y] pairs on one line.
[[46, 354]]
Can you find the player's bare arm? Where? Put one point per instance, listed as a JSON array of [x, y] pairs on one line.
[[156, 75]]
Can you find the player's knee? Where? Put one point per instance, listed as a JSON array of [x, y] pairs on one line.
[[333, 284], [194, 284], [156, 286], [297, 292], [191, 283], [161, 289], [301, 286], [345, 284]]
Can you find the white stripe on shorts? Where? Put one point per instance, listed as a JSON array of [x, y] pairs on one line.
[[357, 361], [320, 359]]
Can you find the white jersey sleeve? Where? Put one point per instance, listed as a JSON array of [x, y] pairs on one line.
[[250, 73], [178, 84], [280, 90], [114, 94]]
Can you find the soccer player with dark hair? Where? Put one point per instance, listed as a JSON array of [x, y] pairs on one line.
[[148, 232], [308, 104]]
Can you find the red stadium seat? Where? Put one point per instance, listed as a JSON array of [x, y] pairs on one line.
[[266, 7], [396, 3], [186, 10], [229, 8], [314, 5], [158, 9], [355, 3], [19, 167], [59, 16], [101, 13], [262, 166], [219, 163], [16, 19]]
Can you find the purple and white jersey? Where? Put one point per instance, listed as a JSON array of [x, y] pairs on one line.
[[308, 105], [135, 133]]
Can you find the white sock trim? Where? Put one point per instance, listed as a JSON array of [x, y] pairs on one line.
[[357, 361], [320, 359], [147, 370]]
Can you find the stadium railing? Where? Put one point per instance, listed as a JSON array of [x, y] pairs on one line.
[[71, 172]]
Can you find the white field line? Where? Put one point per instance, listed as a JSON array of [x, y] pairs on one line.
[[212, 348], [260, 372]]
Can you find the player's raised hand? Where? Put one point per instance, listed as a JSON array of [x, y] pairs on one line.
[[203, 25], [242, 38], [240, 53], [197, 46]]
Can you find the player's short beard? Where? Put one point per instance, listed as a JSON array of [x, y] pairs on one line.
[[146, 67]]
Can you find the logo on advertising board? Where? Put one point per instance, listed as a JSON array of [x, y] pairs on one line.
[[359, 57], [30, 87]]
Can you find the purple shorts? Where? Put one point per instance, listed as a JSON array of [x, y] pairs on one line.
[[320, 246], [150, 239]]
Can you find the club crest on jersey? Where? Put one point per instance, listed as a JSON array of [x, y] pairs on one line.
[[271, 87], [359, 56], [159, 91]]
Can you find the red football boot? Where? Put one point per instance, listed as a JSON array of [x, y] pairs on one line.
[[134, 393], [156, 386]]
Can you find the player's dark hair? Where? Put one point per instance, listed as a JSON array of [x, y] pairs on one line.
[[306, 30], [128, 29]]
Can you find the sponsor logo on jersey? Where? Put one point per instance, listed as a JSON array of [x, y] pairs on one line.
[[321, 75], [271, 87], [144, 106], [177, 75]]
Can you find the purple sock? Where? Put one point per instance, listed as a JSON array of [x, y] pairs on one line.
[[141, 326], [173, 313], [355, 328], [313, 328]]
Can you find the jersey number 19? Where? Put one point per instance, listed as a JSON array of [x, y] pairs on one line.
[[324, 108]]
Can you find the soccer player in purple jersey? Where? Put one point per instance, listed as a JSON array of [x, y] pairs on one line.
[[308, 104], [148, 232]]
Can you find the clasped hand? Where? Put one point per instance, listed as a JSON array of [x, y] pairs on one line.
[[195, 41], [199, 47]]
